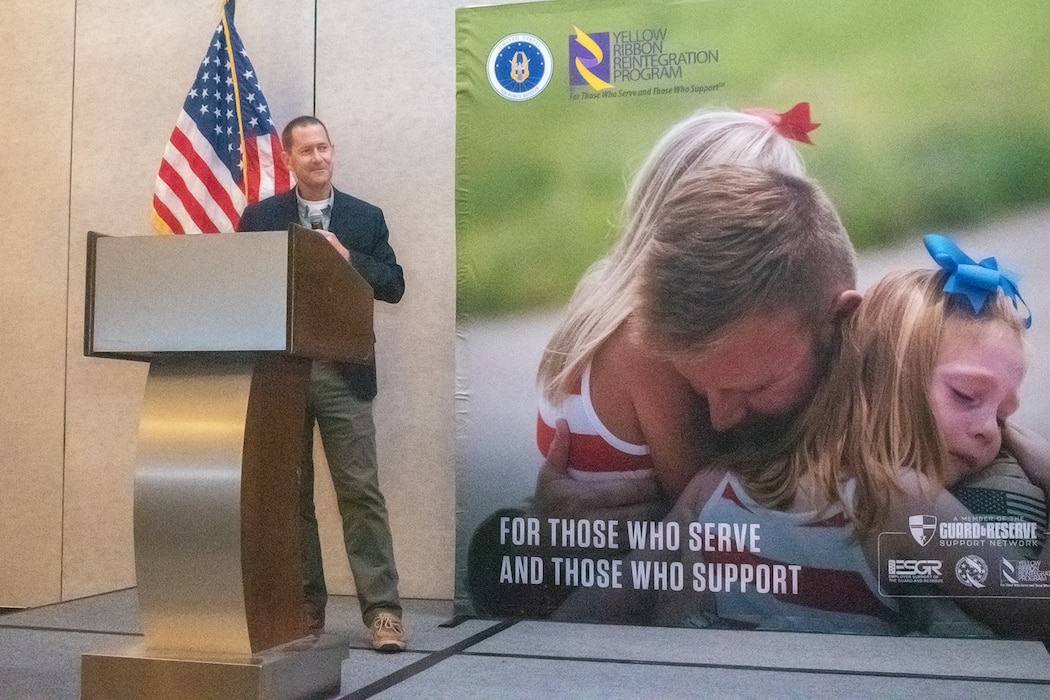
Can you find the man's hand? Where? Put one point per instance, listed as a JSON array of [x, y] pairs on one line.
[[1032, 452], [558, 495], [339, 247]]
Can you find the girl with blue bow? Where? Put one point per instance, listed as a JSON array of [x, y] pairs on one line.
[[916, 406]]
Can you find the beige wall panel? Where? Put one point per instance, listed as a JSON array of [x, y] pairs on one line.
[[135, 62], [386, 88], [36, 49]]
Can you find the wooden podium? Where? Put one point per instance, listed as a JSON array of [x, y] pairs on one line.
[[229, 324]]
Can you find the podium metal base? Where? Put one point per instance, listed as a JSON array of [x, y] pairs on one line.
[[304, 669]]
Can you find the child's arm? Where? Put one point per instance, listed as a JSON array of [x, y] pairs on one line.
[[643, 399], [669, 414]]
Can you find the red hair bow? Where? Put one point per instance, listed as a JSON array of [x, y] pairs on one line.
[[792, 124]]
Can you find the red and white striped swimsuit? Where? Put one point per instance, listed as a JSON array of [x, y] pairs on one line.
[[594, 452]]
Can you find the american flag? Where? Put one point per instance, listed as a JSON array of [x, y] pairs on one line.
[[224, 150]]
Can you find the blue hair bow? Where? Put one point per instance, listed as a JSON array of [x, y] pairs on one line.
[[978, 282]]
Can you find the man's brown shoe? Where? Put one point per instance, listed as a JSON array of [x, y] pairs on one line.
[[387, 633]]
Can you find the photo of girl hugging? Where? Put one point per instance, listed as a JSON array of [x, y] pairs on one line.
[[916, 403]]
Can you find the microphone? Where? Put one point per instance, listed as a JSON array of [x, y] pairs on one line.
[[316, 221]]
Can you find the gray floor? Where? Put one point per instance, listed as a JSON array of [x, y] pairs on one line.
[[40, 651]]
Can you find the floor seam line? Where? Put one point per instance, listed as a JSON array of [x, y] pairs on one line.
[[68, 630], [428, 661], [749, 667]]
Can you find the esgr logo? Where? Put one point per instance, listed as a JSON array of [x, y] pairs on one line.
[[915, 570], [519, 67], [915, 567]]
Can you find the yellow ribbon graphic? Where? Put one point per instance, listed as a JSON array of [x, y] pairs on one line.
[[591, 45]]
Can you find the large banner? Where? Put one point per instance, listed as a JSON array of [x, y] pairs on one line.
[[913, 118]]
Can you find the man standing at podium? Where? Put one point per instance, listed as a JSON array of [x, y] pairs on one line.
[[340, 398]]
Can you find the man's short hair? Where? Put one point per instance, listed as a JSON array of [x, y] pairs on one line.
[[304, 120], [732, 242]]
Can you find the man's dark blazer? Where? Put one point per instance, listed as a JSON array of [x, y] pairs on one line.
[[361, 228]]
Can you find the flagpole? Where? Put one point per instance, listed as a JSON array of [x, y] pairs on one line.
[[236, 96], [313, 97]]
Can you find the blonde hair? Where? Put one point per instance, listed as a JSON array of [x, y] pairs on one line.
[[872, 415], [601, 301]]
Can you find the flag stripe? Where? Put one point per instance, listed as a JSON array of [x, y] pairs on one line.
[[251, 157], [193, 194], [167, 219], [207, 174], [192, 208], [282, 179]]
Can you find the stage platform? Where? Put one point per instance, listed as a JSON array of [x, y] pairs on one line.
[[41, 648]]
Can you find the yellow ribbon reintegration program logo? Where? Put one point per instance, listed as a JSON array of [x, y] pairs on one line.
[[584, 65]]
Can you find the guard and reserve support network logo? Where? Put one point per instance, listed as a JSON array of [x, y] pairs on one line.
[[923, 528], [519, 67]]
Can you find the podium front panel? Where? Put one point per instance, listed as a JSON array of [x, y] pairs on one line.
[[215, 293]]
